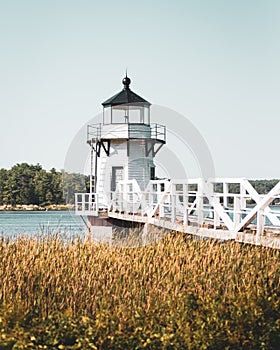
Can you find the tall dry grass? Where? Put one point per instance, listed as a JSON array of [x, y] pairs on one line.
[[179, 293]]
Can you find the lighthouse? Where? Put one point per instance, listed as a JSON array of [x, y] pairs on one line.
[[123, 147], [125, 143]]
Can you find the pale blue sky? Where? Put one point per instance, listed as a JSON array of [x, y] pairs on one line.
[[216, 62]]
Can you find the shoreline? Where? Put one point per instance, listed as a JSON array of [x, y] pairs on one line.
[[34, 207]]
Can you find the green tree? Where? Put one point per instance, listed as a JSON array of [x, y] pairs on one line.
[[42, 186], [73, 183], [19, 185], [3, 179], [56, 185], [31, 184]]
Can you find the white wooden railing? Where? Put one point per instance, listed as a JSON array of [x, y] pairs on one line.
[[86, 204], [192, 202]]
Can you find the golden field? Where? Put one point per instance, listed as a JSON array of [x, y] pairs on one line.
[[178, 293]]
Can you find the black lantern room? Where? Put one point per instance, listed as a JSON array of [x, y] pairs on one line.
[[126, 107]]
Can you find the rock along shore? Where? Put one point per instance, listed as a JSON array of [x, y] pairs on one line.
[[33, 207]]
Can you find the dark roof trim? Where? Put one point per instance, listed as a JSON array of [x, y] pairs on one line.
[[124, 97]]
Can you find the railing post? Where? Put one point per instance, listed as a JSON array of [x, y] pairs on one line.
[[236, 211], [217, 219], [243, 203], [185, 203], [144, 208], [260, 223], [150, 198], [161, 207], [83, 202], [160, 210], [225, 192], [199, 205], [173, 204], [96, 203]]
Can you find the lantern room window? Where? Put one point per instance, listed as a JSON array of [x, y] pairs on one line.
[[127, 114]]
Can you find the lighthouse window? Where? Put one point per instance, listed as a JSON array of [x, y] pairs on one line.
[[134, 116], [146, 115], [138, 114], [107, 116], [120, 115]]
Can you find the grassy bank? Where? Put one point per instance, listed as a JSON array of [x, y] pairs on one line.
[[180, 293]]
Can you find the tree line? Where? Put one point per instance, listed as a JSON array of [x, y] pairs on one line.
[[261, 186], [31, 184]]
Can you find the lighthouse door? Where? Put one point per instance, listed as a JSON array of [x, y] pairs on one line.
[[117, 175]]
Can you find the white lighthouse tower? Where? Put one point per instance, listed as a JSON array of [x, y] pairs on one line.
[[123, 148]]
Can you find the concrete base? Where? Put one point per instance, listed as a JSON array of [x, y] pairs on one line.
[[116, 232]]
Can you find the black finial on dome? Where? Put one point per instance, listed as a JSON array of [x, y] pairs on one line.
[[126, 81]]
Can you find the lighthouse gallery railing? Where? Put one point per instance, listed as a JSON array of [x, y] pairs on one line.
[[153, 131]]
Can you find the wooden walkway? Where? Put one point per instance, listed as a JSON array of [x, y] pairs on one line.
[[226, 209]]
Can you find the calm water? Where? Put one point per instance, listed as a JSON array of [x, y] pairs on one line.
[[65, 223]]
